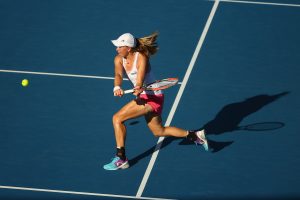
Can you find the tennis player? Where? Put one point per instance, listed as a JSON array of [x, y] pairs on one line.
[[133, 60]]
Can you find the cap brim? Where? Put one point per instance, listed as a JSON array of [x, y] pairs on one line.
[[116, 43]]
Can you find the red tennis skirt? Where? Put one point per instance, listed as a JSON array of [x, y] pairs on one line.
[[155, 101]]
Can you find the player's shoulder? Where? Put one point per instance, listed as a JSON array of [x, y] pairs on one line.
[[143, 58], [118, 59]]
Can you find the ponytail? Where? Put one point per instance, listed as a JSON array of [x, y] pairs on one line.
[[147, 45]]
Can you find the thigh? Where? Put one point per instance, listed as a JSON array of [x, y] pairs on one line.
[[133, 109], [154, 123]]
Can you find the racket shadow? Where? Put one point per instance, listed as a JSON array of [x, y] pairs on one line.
[[262, 126]]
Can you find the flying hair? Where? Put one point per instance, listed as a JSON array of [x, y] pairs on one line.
[[147, 45]]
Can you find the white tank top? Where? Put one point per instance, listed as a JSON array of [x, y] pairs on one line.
[[132, 75]]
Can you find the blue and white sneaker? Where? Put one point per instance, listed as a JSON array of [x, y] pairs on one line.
[[201, 139], [116, 163]]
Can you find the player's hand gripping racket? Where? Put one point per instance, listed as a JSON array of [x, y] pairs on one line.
[[157, 85]]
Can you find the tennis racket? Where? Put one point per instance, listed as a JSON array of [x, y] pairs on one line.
[[157, 85]]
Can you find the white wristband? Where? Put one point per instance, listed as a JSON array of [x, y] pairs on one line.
[[116, 88]]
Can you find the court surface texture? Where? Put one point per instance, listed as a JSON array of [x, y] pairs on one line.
[[238, 66]]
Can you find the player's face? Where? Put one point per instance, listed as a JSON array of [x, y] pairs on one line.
[[123, 51]]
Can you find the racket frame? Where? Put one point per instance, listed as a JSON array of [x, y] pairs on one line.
[[173, 81]]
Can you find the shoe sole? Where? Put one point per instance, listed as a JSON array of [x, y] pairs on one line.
[[123, 166]]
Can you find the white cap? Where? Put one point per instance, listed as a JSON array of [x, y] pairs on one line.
[[124, 40]]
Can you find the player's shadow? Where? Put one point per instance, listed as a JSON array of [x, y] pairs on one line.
[[227, 120]]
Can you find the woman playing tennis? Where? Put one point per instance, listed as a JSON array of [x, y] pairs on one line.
[[133, 60]]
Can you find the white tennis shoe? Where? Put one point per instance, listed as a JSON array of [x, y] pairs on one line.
[[201, 139]]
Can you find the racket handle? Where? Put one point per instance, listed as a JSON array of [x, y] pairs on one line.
[[128, 91]]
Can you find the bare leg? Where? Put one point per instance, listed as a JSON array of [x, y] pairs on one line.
[[133, 109], [154, 123]]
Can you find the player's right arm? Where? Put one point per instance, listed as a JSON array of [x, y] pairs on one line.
[[118, 76]]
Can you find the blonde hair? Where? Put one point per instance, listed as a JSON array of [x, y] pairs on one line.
[[147, 45]]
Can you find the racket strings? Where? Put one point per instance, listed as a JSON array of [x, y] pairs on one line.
[[163, 84]]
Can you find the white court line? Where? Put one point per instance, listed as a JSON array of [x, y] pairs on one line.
[[77, 193], [177, 99], [66, 75], [55, 74], [261, 3]]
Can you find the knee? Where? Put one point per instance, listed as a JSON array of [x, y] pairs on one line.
[[158, 132], [117, 119]]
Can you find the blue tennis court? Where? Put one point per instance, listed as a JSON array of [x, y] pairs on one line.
[[238, 66]]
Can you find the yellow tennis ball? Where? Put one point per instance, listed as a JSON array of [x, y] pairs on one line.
[[25, 82]]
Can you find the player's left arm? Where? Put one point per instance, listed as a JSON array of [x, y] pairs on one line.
[[142, 67]]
